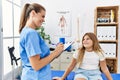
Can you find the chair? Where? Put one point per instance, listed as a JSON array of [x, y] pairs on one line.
[[13, 58]]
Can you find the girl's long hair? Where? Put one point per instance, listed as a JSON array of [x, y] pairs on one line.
[[96, 47], [26, 11]]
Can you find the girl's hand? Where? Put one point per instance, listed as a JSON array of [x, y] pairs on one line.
[[57, 78]]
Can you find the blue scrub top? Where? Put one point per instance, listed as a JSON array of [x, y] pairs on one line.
[[32, 44]]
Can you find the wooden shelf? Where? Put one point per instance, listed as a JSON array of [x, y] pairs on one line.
[[105, 25], [108, 41], [108, 58]]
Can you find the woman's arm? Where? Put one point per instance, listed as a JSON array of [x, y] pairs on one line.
[[105, 69], [38, 63]]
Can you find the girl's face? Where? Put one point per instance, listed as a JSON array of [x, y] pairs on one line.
[[87, 42], [38, 18]]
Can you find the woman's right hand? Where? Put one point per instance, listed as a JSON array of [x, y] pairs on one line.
[[59, 49]]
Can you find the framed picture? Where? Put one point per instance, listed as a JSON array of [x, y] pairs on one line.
[[63, 23]]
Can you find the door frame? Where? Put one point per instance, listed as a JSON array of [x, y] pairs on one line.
[[1, 43]]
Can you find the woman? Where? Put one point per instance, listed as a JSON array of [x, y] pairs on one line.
[[34, 52], [88, 59]]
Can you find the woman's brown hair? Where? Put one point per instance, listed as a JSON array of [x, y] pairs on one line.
[[96, 47], [26, 11]]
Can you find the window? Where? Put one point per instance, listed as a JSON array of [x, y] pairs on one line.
[[11, 17]]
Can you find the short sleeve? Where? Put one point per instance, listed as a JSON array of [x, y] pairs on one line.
[[102, 57], [75, 54], [32, 45]]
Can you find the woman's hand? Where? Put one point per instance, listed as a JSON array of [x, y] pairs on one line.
[[59, 49]]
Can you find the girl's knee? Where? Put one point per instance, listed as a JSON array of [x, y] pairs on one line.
[[80, 79]]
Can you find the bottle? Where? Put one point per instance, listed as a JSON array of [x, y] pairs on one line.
[[112, 16]]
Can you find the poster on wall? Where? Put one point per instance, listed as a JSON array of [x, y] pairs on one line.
[[63, 23]]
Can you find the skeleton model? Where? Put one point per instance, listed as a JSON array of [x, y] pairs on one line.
[[62, 24]]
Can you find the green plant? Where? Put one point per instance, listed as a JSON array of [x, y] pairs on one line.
[[43, 34]]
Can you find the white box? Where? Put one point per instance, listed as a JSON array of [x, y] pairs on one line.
[[109, 49], [106, 32]]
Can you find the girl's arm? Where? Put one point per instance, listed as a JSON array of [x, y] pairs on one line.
[[67, 71], [70, 68], [105, 69]]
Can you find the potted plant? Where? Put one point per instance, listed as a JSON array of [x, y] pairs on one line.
[[42, 33]]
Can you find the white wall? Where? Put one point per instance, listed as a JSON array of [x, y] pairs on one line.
[[82, 8]]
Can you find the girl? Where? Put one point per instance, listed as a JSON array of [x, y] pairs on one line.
[[88, 59]]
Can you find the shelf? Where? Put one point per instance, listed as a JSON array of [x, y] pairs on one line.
[[107, 41], [106, 24], [107, 7], [106, 30], [108, 58]]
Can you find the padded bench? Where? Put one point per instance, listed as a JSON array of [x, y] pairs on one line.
[[71, 75]]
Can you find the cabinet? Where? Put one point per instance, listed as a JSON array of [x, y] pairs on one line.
[[62, 62], [106, 30]]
